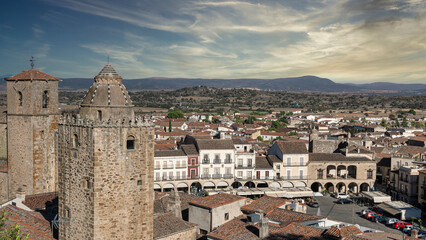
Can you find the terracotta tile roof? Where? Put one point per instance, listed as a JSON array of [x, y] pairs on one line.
[[31, 223], [384, 236], [189, 149], [297, 231], [342, 233], [164, 147], [236, 229], [217, 200], [39, 201], [273, 158], [262, 163], [292, 147], [204, 144], [32, 74], [411, 150], [169, 153], [286, 216], [266, 203], [174, 133], [166, 224]]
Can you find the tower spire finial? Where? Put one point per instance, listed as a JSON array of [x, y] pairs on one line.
[[32, 60]]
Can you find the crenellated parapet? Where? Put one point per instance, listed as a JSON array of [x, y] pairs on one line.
[[77, 120]]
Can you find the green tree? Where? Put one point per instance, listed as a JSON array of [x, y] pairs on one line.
[[412, 112], [250, 120], [10, 233], [175, 114], [294, 133], [404, 122], [383, 123], [392, 117], [215, 120], [259, 138], [170, 125]]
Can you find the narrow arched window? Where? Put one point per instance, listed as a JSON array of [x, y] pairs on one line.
[[45, 101], [75, 141], [100, 115], [20, 98]]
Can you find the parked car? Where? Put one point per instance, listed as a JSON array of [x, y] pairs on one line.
[[342, 196], [421, 234], [344, 201], [379, 218], [313, 204], [365, 211], [399, 225], [391, 221], [407, 228], [370, 215]]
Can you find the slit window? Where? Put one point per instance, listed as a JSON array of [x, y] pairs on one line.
[[75, 141], [45, 101], [20, 98], [100, 115], [130, 143]]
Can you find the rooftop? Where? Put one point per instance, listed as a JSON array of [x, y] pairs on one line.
[[214, 144], [292, 147], [169, 153], [266, 204], [166, 224], [32, 74], [217, 200]]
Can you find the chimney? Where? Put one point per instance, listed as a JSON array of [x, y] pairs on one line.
[[20, 194], [414, 233], [173, 204], [263, 225]]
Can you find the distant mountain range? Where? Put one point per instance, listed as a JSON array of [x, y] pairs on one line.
[[296, 84]]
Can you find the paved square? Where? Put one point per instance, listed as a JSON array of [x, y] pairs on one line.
[[348, 213]]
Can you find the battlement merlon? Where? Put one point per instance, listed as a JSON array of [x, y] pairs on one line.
[[76, 120]]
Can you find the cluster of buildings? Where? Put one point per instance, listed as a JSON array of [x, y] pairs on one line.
[[107, 173]]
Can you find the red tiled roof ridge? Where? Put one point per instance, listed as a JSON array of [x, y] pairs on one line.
[[32, 74]]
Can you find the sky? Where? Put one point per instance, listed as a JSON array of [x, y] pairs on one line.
[[347, 41]]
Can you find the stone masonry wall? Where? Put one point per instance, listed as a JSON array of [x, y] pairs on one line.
[[117, 202], [31, 134]]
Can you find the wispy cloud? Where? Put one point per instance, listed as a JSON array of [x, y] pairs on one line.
[[343, 40]]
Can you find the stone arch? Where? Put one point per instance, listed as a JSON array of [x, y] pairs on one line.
[[299, 184], [287, 185], [157, 187], [341, 171], [182, 187], [353, 187], [341, 187], [75, 141], [262, 185], [275, 185], [209, 185], [168, 187], [196, 187], [20, 97], [331, 171], [130, 142], [222, 184], [316, 187], [250, 184], [364, 187], [236, 185], [45, 99], [352, 171], [329, 187]]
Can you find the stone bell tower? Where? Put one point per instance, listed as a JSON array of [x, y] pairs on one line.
[[32, 124], [106, 166]]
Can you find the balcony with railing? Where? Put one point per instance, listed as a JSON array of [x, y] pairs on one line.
[[205, 176], [228, 160], [168, 166], [228, 175], [242, 166], [181, 166], [294, 177], [217, 161], [216, 176]]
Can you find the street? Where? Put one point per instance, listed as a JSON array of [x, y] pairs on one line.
[[348, 213]]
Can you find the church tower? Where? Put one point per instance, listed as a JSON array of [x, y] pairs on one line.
[[32, 124], [106, 166]]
